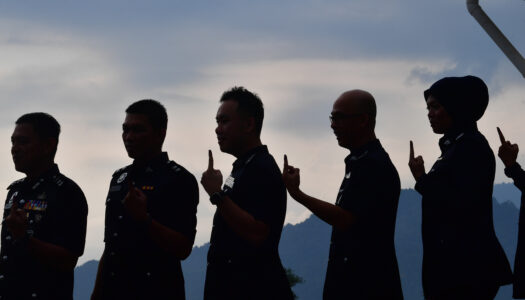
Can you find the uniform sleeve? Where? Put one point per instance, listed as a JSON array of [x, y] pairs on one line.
[[180, 210], [518, 175], [72, 223]]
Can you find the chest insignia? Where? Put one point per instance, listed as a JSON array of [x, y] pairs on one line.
[[230, 181], [38, 218], [347, 176], [122, 177], [148, 188], [42, 196]]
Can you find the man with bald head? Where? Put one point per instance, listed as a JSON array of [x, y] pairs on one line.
[[362, 262]]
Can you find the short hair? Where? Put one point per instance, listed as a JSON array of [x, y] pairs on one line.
[[44, 125], [249, 104], [153, 110]]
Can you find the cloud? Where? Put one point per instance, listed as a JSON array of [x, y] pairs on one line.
[[86, 62]]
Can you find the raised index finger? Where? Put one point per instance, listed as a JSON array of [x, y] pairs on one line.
[[285, 163], [501, 137], [411, 150], [210, 160]]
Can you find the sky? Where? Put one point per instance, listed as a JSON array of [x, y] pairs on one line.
[[84, 62]]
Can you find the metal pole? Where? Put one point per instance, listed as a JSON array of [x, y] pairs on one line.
[[497, 36]]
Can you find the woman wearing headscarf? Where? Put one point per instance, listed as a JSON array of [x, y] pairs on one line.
[[508, 153], [462, 257]]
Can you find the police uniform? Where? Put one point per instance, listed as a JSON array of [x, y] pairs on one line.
[[518, 175], [460, 247], [362, 261], [236, 268], [135, 267], [56, 212]]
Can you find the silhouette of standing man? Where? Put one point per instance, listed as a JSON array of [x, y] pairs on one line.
[[462, 257], [150, 214], [45, 216], [509, 153], [243, 259], [362, 262]]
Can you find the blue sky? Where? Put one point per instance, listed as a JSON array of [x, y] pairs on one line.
[[85, 62]]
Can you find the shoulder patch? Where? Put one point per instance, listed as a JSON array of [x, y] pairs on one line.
[[59, 179], [15, 183], [119, 171], [174, 166]]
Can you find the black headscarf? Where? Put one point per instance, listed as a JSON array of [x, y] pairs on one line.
[[464, 98]]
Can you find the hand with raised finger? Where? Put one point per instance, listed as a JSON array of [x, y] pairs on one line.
[[211, 179], [291, 177], [416, 164], [507, 152], [136, 203], [16, 221]]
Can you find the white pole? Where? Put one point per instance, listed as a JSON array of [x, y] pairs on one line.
[[497, 36]]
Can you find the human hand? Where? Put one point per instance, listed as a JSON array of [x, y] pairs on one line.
[[507, 152], [16, 221], [291, 177], [136, 203], [416, 164], [211, 179]]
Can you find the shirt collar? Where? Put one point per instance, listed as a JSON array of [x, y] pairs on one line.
[[454, 135], [50, 173], [363, 151], [153, 164], [248, 156]]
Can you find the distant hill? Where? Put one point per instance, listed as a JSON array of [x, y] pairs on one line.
[[304, 249]]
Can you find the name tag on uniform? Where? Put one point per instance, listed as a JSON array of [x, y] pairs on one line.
[[115, 188], [230, 181]]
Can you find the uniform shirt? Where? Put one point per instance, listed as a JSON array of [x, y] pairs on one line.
[[362, 260], [57, 214], [135, 267], [460, 246], [256, 186], [518, 175]]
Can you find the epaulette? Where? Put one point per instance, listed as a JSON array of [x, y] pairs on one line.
[[174, 166], [58, 179], [121, 170], [12, 185]]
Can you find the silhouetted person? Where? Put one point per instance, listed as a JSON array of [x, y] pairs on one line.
[[243, 259], [462, 257], [150, 215], [362, 262], [45, 215], [508, 153]]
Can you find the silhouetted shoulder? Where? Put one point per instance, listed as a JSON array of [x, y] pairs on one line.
[[64, 182], [180, 172], [15, 183], [121, 171]]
